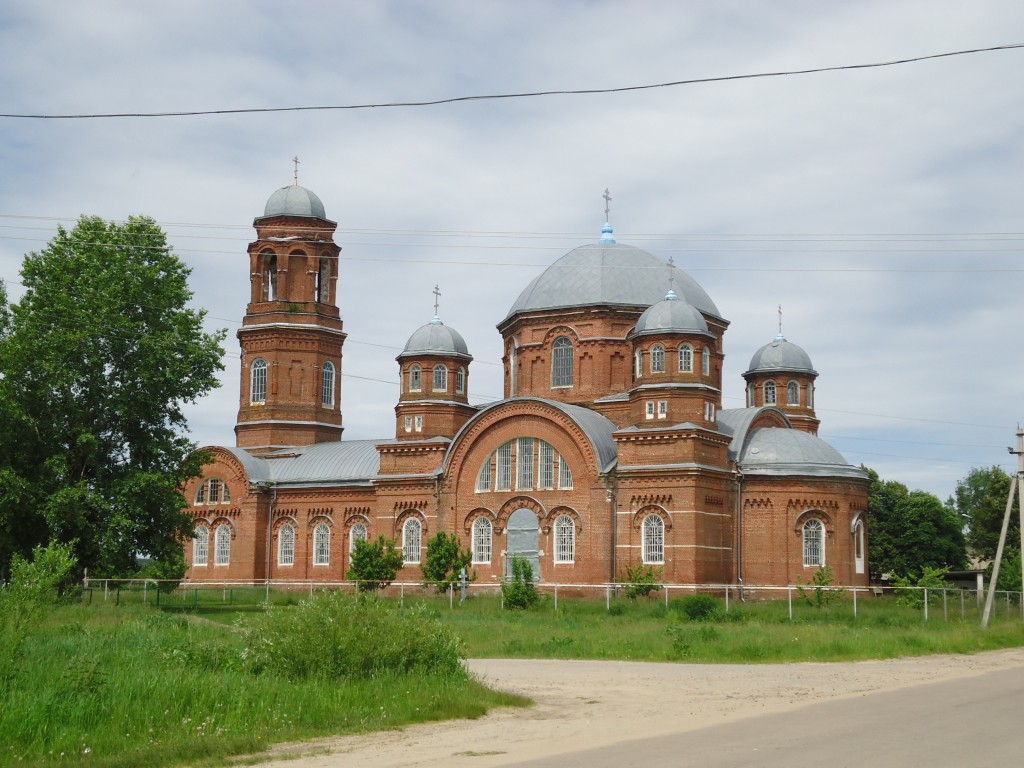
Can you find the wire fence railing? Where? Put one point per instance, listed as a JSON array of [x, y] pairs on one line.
[[949, 603]]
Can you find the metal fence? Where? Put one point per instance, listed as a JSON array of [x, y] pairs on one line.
[[949, 604]]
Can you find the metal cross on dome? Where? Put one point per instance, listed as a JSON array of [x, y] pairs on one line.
[[607, 200], [296, 161], [437, 298]]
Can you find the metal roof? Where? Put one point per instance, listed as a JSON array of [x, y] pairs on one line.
[[736, 422], [436, 338], [343, 462], [671, 315], [776, 451], [609, 274], [781, 355], [294, 201]]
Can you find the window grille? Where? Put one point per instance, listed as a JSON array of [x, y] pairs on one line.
[[814, 544], [792, 393], [321, 544], [564, 474], [654, 539], [483, 478], [561, 362], [546, 479], [213, 493], [769, 393], [201, 546], [222, 544], [201, 493], [657, 359], [258, 385], [440, 378], [355, 535], [482, 537], [412, 536], [327, 394], [286, 546], [565, 539], [524, 464], [686, 359], [504, 479]]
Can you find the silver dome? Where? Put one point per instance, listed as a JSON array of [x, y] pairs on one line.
[[295, 201], [670, 315], [781, 355], [608, 274], [436, 338], [777, 451]]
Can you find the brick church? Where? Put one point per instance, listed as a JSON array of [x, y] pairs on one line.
[[610, 448]]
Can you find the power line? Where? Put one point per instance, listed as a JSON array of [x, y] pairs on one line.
[[520, 95]]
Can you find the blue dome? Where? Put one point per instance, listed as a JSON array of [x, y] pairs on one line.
[[294, 201]]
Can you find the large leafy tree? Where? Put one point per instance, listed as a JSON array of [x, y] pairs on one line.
[[980, 500], [911, 530], [97, 359]]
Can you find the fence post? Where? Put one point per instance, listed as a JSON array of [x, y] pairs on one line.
[[945, 609], [106, 590], [727, 590], [451, 596], [665, 587], [961, 605], [401, 595], [556, 596], [145, 588], [854, 602], [789, 597], [926, 603], [607, 597]]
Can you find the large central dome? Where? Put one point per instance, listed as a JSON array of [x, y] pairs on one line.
[[609, 274]]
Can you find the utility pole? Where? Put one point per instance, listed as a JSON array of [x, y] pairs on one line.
[[1016, 483]]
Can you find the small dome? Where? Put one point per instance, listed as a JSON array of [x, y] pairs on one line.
[[781, 355], [773, 450], [670, 315], [608, 273], [436, 338], [295, 201]]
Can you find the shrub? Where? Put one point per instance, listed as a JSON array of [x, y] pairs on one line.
[[930, 579], [699, 607], [335, 636], [520, 591], [445, 559], [374, 564], [824, 594], [641, 581]]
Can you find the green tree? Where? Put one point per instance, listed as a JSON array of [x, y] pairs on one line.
[[374, 564], [980, 500], [98, 358], [445, 559], [911, 530], [520, 591]]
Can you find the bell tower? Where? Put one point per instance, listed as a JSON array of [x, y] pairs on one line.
[[292, 334]]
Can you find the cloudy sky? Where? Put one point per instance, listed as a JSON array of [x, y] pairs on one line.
[[881, 208]]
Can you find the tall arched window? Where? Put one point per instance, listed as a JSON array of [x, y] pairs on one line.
[[810, 395], [440, 378], [415, 378], [201, 545], [792, 393], [638, 364], [327, 393], [482, 536], [321, 544], [814, 544], [769, 393], [222, 545], [412, 539], [286, 545], [323, 282], [460, 381], [705, 361], [561, 362], [657, 359], [858, 546], [483, 477], [750, 395], [258, 381], [686, 359], [269, 276], [565, 539], [356, 534], [654, 539]]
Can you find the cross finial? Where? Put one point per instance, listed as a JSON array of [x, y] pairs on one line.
[[437, 298], [607, 200], [671, 275], [296, 161], [780, 319]]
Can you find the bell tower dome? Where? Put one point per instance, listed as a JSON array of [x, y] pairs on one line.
[[292, 333]]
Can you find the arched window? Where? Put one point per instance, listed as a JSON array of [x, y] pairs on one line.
[[686, 359], [705, 361], [483, 478], [201, 545], [638, 364], [482, 536], [321, 544], [258, 381], [213, 490], [750, 395], [858, 546], [201, 493], [460, 381], [269, 276], [323, 282], [769, 393], [524, 464], [440, 378], [415, 378], [657, 359], [225, 494], [561, 362], [412, 538], [222, 545], [792, 393], [564, 474], [286, 545], [654, 539], [565, 539], [327, 393], [356, 534], [814, 544], [810, 395]]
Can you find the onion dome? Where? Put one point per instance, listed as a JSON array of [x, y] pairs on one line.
[[781, 355], [436, 338], [607, 273], [670, 315], [294, 200]]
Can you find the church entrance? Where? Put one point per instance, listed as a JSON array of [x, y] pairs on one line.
[[523, 541]]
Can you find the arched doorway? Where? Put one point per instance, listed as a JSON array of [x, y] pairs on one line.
[[523, 532]]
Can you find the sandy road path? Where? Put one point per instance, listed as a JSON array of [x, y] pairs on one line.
[[587, 704]]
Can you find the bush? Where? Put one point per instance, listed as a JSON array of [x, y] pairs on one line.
[[374, 564], [445, 559], [699, 607], [930, 579], [823, 594], [641, 581], [520, 591], [335, 636]]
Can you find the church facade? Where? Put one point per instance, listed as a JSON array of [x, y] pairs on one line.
[[609, 450]]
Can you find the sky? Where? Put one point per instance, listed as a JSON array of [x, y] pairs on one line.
[[881, 207]]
